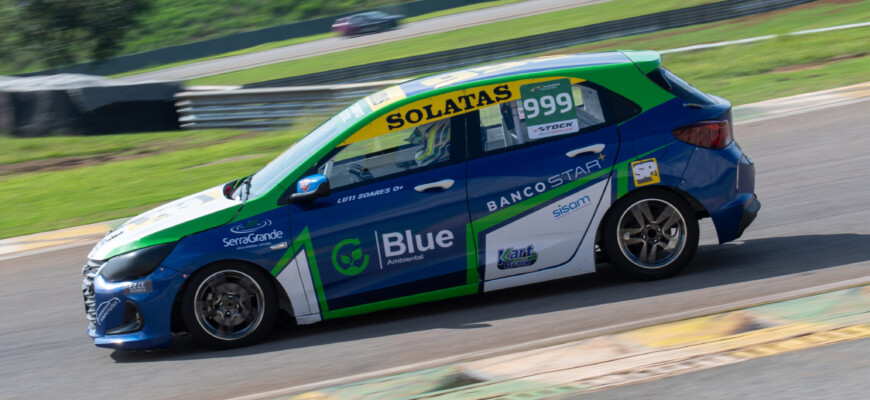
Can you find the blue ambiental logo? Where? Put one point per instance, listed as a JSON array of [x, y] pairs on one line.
[[563, 210], [350, 261], [250, 226], [514, 258]]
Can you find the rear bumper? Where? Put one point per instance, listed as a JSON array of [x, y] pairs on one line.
[[732, 218], [750, 211], [723, 181]]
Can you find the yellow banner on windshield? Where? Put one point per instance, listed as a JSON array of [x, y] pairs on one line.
[[443, 106]]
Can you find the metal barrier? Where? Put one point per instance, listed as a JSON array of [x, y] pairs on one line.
[[473, 55], [266, 108]]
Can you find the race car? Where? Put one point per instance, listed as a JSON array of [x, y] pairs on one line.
[[454, 184], [367, 22]]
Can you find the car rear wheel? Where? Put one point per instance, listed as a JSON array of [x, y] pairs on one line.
[[651, 234], [229, 305]]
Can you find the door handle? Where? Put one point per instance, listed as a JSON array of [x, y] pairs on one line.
[[595, 148], [442, 184]]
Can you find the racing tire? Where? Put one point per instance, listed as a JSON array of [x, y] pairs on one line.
[[650, 234], [229, 305]]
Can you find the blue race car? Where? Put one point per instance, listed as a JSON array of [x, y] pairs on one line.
[[454, 184]]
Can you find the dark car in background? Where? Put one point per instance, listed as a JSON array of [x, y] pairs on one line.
[[367, 22]]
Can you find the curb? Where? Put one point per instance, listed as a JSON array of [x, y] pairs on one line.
[[11, 247], [633, 356], [800, 103], [28, 244]]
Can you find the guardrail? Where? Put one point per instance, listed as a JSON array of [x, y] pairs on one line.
[[266, 108], [468, 56]]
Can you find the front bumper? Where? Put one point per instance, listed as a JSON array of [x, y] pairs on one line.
[[131, 315]]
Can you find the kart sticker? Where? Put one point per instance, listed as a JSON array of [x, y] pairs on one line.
[[515, 258], [646, 172]]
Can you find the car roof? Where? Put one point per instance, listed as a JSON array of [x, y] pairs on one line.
[[526, 66]]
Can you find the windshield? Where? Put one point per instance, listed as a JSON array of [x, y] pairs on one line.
[[274, 172]]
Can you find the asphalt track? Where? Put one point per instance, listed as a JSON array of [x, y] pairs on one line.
[[812, 230], [333, 44], [836, 371]]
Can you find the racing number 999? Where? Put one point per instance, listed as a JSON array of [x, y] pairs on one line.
[[549, 103]]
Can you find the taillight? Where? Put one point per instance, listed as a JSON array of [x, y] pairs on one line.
[[709, 134]]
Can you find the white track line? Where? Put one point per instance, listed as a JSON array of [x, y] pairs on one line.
[[760, 38]]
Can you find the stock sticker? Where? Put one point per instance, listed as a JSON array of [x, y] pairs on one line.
[[549, 109]]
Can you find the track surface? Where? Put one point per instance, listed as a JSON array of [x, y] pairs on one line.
[[812, 230], [324, 46], [837, 371]]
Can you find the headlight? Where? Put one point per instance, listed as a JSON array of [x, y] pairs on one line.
[[136, 264]]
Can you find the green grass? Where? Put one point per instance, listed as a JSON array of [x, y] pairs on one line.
[[123, 188], [496, 31], [470, 7], [778, 67], [768, 69], [17, 150], [262, 47], [304, 39]]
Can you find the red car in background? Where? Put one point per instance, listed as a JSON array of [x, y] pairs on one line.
[[367, 22]]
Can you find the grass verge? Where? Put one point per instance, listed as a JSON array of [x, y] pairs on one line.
[[311, 38], [767, 69], [41, 201], [481, 34]]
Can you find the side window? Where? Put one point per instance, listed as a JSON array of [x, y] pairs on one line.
[[390, 154], [504, 125]]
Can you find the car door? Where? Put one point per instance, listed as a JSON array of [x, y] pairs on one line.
[[393, 229], [535, 180]]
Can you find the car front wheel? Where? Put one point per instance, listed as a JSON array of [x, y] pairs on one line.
[[229, 305], [651, 234]]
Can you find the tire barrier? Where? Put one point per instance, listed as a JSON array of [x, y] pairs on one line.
[[84, 105]]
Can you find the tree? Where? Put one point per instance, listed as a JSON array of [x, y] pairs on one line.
[[65, 31]]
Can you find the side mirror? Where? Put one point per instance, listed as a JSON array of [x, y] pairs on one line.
[[307, 189]]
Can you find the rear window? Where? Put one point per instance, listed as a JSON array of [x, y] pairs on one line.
[[678, 87]]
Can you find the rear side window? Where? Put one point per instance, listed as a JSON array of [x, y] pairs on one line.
[[504, 125], [667, 80]]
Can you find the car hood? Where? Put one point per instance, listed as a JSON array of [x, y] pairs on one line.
[[167, 223]]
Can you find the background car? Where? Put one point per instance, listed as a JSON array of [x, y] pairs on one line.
[[368, 22]]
